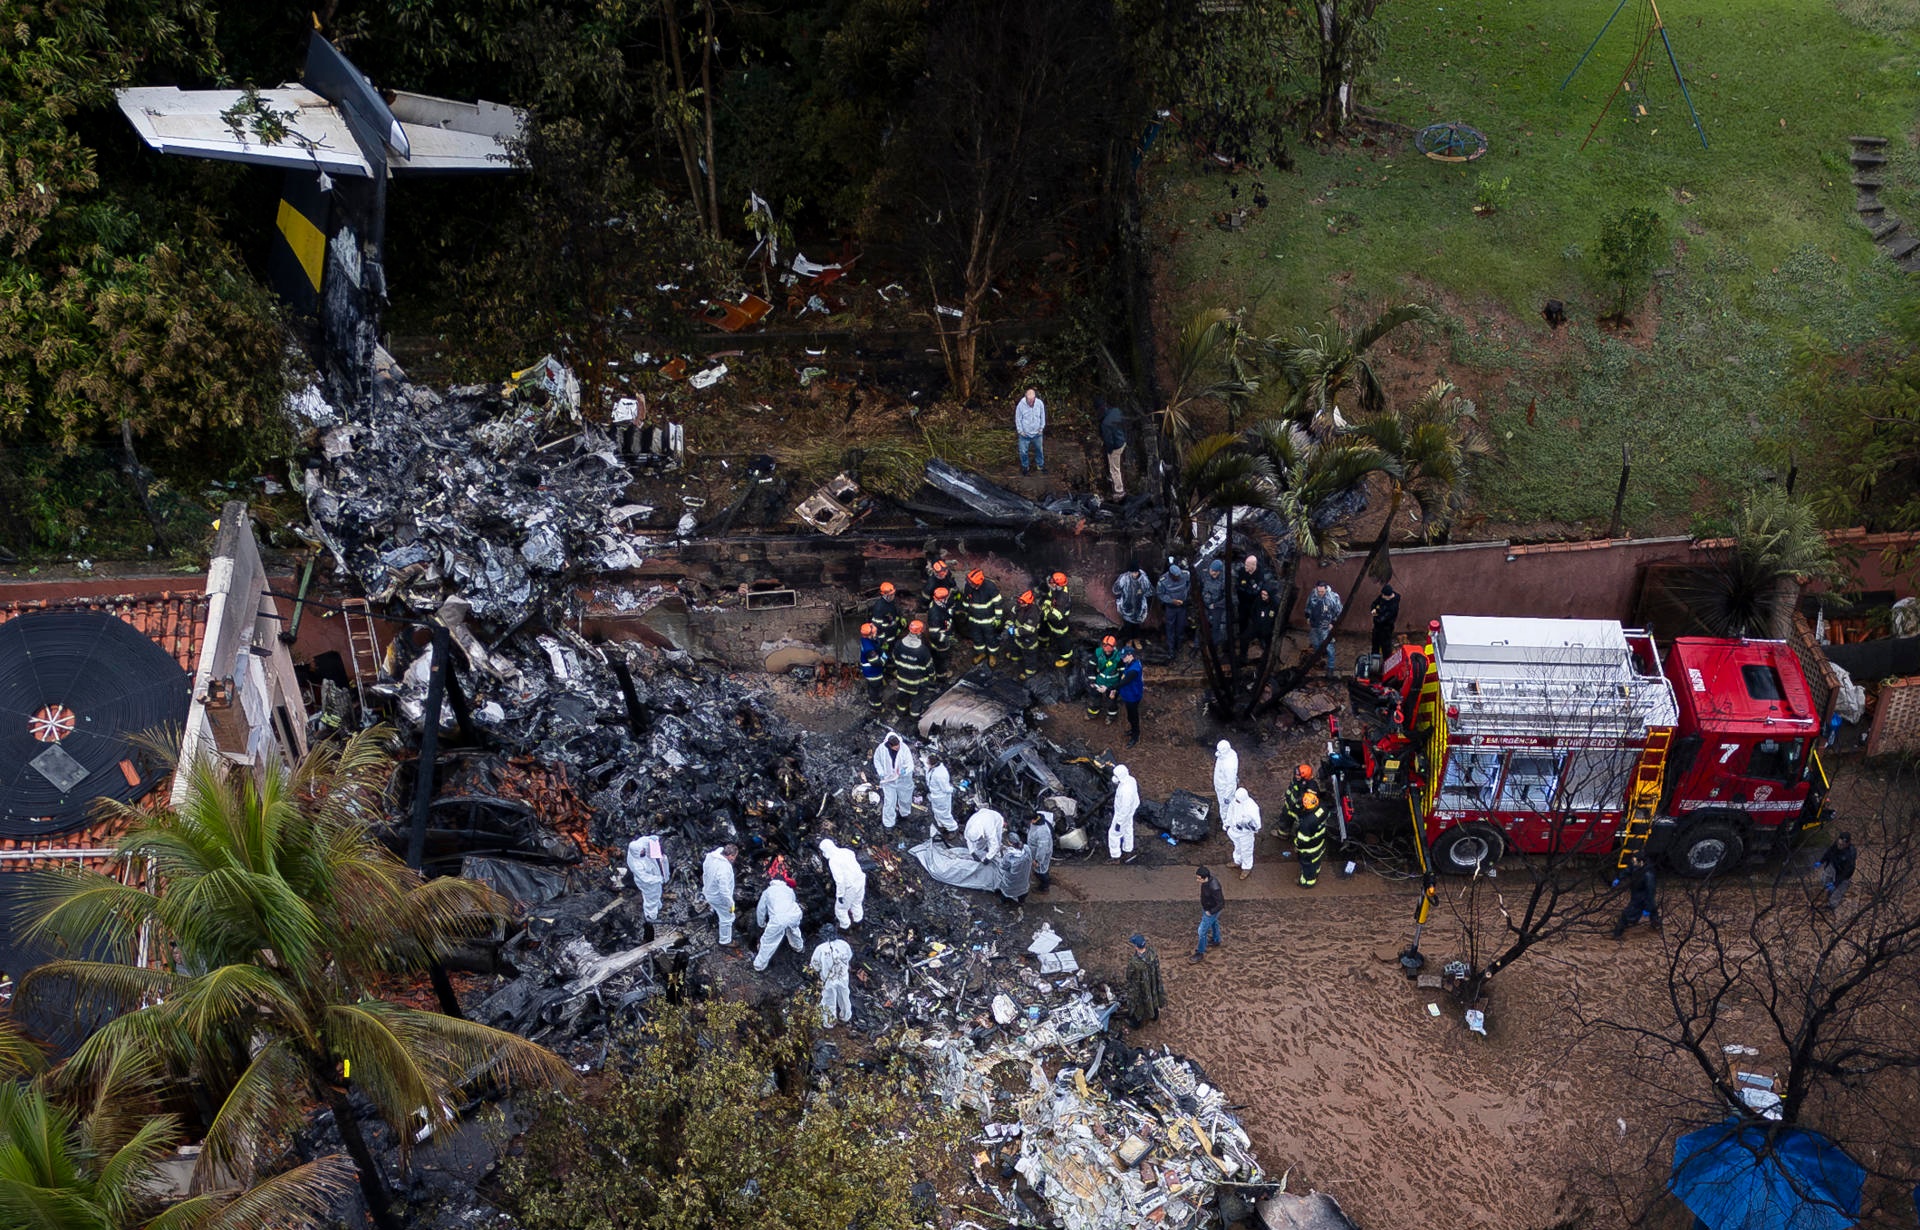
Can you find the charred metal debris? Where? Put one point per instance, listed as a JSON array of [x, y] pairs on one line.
[[477, 514]]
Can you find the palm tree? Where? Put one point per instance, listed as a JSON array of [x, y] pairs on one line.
[[1210, 363], [94, 1165], [1221, 473], [273, 908], [1320, 365], [1435, 444], [1312, 486], [1752, 588]]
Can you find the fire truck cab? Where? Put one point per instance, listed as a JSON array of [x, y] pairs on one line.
[[1565, 735]]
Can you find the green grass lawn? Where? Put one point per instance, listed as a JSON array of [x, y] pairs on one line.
[[1766, 244]]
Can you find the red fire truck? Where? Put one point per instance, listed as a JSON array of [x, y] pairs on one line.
[[1543, 735]]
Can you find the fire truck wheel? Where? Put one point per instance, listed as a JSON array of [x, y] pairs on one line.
[[1460, 850], [1707, 848]]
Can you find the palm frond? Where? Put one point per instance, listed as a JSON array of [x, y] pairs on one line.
[[18, 1054], [122, 1178], [292, 1200], [1390, 320], [257, 1108]]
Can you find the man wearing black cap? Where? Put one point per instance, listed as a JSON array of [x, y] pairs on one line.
[[1146, 994]]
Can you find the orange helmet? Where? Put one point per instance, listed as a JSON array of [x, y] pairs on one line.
[[1107, 642], [886, 589], [1059, 579], [942, 594], [940, 568], [1310, 799], [976, 577], [916, 627], [1026, 599], [866, 629], [1304, 772]]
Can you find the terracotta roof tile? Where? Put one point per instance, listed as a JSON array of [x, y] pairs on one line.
[[177, 622]]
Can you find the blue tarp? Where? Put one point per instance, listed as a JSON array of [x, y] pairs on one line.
[[1734, 1177]]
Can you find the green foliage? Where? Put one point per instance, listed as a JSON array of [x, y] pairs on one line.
[[1751, 589], [706, 1119], [1856, 426], [115, 303], [1491, 195], [578, 257], [1630, 244], [1321, 364], [1223, 69], [275, 908]]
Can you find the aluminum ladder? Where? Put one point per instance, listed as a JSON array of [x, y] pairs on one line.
[[363, 644], [1643, 804]]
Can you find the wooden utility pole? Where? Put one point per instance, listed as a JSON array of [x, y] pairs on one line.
[[1620, 496]]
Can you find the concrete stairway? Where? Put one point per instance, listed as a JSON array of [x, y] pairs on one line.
[[1890, 233]]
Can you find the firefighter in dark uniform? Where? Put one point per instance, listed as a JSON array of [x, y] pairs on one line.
[[1103, 680], [940, 629], [1054, 611], [939, 576], [912, 672], [1026, 634], [873, 666], [886, 616], [1290, 812], [981, 603], [1310, 837]]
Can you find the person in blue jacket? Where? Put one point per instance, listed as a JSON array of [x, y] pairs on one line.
[[873, 666], [1133, 685]]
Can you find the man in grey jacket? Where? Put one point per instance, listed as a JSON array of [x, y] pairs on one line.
[[1132, 591], [1213, 595], [1030, 424], [1324, 609], [1176, 584]]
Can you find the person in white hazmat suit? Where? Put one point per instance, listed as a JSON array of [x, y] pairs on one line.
[[779, 917], [1126, 801], [647, 861], [716, 885], [940, 793], [1226, 776], [849, 883], [1243, 825], [833, 962], [893, 770], [986, 833]]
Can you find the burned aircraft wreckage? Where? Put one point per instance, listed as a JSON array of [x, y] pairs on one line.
[[485, 521]]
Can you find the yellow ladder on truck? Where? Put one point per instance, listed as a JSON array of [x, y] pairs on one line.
[[364, 644], [1643, 802]]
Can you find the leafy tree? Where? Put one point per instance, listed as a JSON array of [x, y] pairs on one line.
[[1007, 142], [1434, 445], [1211, 362], [1223, 68], [707, 1118], [1631, 241], [586, 246], [1343, 41], [1858, 427], [117, 303], [1321, 364], [273, 909]]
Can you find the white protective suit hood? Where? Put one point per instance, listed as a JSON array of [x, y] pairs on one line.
[[1241, 796], [1223, 747], [1120, 773], [828, 849]]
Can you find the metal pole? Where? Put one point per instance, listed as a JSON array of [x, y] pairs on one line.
[[291, 632], [1683, 82], [1620, 496], [429, 748], [1595, 43]]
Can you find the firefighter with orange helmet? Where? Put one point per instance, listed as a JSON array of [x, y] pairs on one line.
[[939, 621], [886, 616], [873, 665], [1310, 837], [1103, 680], [1302, 785], [980, 602], [940, 575], [1026, 633], [1055, 610], [912, 671]]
